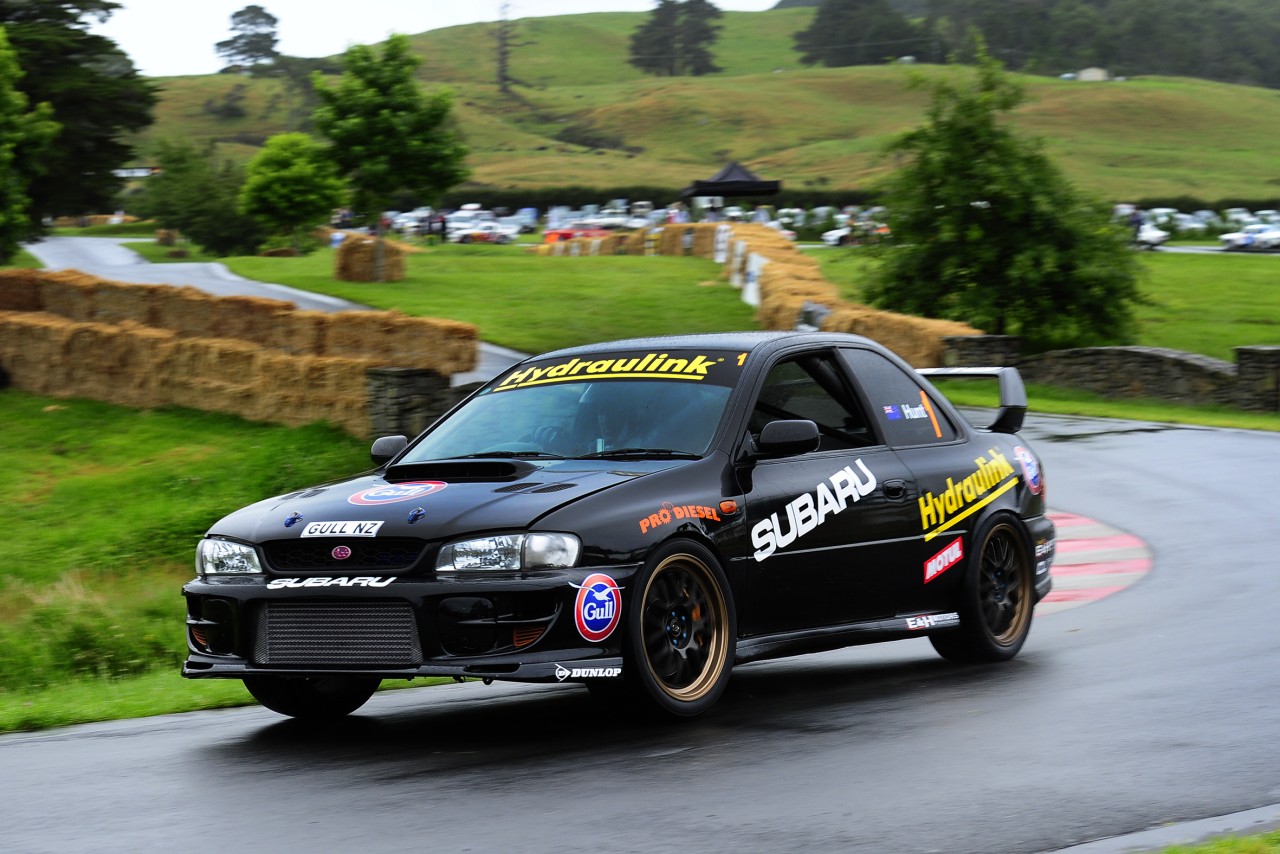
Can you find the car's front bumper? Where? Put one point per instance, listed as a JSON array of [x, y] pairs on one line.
[[520, 628]]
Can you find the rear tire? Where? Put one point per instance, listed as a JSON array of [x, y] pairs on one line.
[[997, 600], [313, 698], [681, 630]]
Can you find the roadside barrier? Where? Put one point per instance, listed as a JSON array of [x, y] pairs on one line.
[[67, 334]]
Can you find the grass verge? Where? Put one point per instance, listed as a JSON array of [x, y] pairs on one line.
[[532, 303]]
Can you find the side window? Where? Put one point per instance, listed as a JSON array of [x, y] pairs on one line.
[[905, 410], [812, 387]]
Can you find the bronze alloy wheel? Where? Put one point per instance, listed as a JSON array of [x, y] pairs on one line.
[[684, 621], [1004, 587]]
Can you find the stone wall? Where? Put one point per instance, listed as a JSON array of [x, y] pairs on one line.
[[1251, 383]]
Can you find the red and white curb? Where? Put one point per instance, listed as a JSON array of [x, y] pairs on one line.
[[1092, 561]]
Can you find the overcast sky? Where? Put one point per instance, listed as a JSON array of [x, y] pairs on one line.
[[169, 38]]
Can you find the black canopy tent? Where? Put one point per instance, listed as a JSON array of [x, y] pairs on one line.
[[733, 180]]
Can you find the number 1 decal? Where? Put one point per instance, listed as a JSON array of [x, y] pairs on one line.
[[742, 357]]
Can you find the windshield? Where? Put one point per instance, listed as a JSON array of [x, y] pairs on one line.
[[669, 405]]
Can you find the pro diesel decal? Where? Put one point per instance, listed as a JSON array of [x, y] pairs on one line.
[[598, 607], [675, 512], [811, 509], [393, 492], [991, 479]]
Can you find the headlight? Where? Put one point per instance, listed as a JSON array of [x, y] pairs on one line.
[[221, 557], [511, 552]]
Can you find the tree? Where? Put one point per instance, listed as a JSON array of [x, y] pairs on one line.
[[385, 133], [198, 194], [290, 185], [696, 33], [96, 95], [21, 133], [677, 39], [653, 44], [988, 231], [857, 32], [255, 39]]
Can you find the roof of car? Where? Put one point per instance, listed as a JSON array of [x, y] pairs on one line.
[[746, 341]]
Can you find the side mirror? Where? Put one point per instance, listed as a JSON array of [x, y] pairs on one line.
[[787, 438], [386, 447]]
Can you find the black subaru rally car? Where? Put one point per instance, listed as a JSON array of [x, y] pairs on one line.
[[639, 516]]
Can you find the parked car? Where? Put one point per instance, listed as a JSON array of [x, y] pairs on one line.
[[1256, 237], [1150, 237], [639, 516], [485, 231]]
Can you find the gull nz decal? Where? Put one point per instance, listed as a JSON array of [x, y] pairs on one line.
[[342, 529], [811, 509], [319, 581], [393, 492], [598, 607], [989, 480]]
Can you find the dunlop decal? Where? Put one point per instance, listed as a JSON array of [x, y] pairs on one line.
[[989, 480]]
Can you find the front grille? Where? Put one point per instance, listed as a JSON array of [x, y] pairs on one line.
[[367, 554], [374, 633]]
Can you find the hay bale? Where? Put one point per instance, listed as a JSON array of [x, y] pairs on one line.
[[300, 333], [250, 319], [31, 346], [357, 260], [117, 302], [69, 294], [184, 310], [916, 339], [20, 290]]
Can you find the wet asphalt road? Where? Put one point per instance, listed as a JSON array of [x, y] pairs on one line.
[[1155, 705]]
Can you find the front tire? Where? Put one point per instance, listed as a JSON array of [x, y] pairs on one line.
[[997, 600], [681, 630], [312, 698]]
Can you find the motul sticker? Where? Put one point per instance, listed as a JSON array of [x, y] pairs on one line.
[[951, 554]]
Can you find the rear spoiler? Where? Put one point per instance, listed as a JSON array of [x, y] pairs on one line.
[[1013, 394]]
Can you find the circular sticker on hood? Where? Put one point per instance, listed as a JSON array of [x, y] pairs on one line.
[[393, 492]]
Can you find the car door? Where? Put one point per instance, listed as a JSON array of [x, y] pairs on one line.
[[939, 455], [827, 527]]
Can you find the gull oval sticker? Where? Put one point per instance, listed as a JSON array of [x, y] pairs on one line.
[[393, 492], [598, 608]]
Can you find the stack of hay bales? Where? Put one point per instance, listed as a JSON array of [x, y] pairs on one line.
[[358, 260], [788, 281], [71, 335]]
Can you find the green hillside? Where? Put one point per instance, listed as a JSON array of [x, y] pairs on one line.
[[584, 116]]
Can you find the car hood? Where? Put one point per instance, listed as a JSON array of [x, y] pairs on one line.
[[432, 500]]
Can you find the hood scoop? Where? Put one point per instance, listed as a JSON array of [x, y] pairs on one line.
[[460, 471], [535, 488]]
